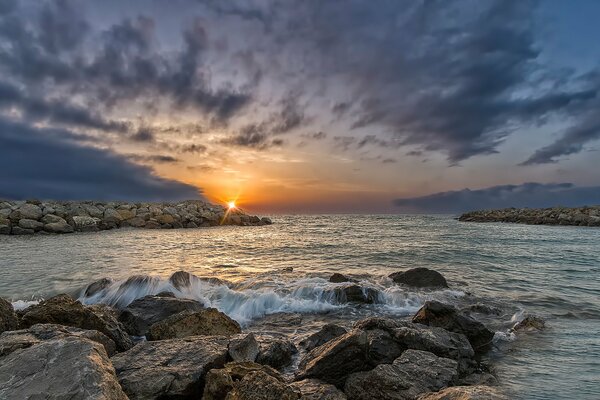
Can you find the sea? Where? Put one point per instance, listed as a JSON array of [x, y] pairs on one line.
[[275, 278]]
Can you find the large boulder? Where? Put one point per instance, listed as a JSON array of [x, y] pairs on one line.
[[339, 278], [64, 310], [84, 223], [66, 368], [434, 313], [31, 224], [144, 312], [259, 385], [275, 352], [530, 323], [314, 389], [420, 278], [8, 318], [29, 211], [324, 335], [479, 392], [58, 227], [411, 374], [207, 322], [356, 294], [24, 338], [244, 348], [219, 382], [170, 369]]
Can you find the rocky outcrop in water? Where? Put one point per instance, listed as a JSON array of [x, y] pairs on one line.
[[8, 318], [33, 216], [420, 278], [207, 322], [579, 216], [479, 392]]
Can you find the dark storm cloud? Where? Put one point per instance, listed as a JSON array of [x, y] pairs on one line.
[[154, 158], [524, 195], [50, 164]]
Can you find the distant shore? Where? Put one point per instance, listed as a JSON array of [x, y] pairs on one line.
[[44, 217], [577, 216]]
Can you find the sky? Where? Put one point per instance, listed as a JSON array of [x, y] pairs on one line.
[[315, 106]]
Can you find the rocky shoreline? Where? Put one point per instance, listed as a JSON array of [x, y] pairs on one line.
[[166, 347], [577, 216], [37, 217]]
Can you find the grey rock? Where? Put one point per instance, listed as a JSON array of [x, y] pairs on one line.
[[58, 227], [206, 322], [339, 278], [8, 318], [243, 348], [51, 218], [480, 392], [5, 229], [97, 286], [112, 216], [314, 389], [29, 211], [30, 224], [67, 368], [420, 277], [275, 352], [530, 323], [413, 373], [85, 223], [324, 335], [219, 382], [168, 369], [259, 385], [17, 230], [356, 294]]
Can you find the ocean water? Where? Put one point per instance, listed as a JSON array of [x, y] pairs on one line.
[[275, 278]]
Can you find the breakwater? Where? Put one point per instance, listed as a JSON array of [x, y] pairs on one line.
[[34, 216], [578, 216]]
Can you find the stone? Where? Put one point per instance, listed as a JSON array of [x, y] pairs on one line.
[[29, 211], [314, 389], [191, 225], [66, 368], [339, 278], [243, 348], [30, 224], [169, 369], [530, 323], [411, 374], [112, 216], [93, 211], [420, 278], [136, 222], [152, 225], [127, 214], [8, 318], [58, 227], [63, 310], [356, 294], [142, 313], [51, 218], [275, 352], [434, 313], [206, 322], [17, 230], [5, 229], [479, 392], [97, 286], [324, 335], [24, 338], [259, 385], [182, 279], [165, 218], [266, 220], [85, 223], [219, 382]]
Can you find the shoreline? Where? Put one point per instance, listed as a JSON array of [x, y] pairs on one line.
[[568, 216], [59, 217]]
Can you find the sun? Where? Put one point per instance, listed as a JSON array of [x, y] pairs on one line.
[[231, 204]]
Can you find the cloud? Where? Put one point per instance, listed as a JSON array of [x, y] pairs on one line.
[[524, 195], [51, 164]]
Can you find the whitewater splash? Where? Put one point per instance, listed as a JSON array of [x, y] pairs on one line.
[[255, 298]]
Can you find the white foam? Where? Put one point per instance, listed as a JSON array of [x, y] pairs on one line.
[[23, 304]]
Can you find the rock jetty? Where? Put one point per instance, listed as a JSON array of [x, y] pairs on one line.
[[578, 216], [34, 216]]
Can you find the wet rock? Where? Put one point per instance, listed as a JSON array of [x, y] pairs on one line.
[[219, 382], [96, 287], [356, 294], [169, 369], [142, 313], [275, 352], [411, 374], [465, 393], [314, 389], [67, 368], [24, 338], [434, 313], [63, 310], [206, 322], [339, 278], [243, 348], [420, 277], [530, 323], [182, 279], [8, 318], [324, 335], [259, 385]]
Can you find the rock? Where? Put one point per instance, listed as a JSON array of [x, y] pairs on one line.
[[136, 222], [420, 277], [17, 230], [29, 211], [266, 220], [8, 318], [112, 216], [276, 353], [67, 368], [259, 385], [96, 287], [85, 223], [58, 227], [152, 225], [169, 369], [126, 214], [63, 310], [93, 211], [356, 294], [219, 382], [142, 313], [182, 279], [339, 278], [206, 322], [30, 224], [465, 393], [434, 313], [324, 335], [530, 323], [165, 218], [24, 338], [243, 348], [52, 219], [411, 374], [313, 389], [5, 229]]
